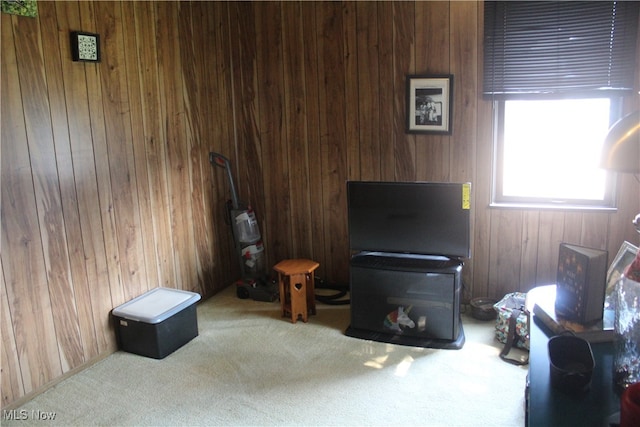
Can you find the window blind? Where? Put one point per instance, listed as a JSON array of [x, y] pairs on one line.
[[566, 48]]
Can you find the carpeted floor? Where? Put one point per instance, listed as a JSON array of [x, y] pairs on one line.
[[250, 366]]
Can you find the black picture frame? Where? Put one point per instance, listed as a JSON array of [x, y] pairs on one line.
[[85, 47], [429, 108]]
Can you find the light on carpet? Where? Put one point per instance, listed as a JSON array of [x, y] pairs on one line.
[[377, 363], [403, 367]]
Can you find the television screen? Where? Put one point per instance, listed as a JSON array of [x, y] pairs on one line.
[[427, 218]]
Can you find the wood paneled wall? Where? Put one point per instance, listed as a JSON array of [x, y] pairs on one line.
[[106, 186]]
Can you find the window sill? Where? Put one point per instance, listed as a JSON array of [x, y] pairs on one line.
[[555, 207]]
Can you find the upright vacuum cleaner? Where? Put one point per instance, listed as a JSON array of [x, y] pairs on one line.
[[248, 243]]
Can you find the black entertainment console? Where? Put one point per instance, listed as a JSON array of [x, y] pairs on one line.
[[408, 241], [406, 299]]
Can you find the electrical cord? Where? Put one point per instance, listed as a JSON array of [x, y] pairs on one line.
[[336, 298]]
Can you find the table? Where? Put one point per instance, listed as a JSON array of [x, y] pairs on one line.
[[549, 407]]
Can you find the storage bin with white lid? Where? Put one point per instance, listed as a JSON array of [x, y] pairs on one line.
[[157, 323]]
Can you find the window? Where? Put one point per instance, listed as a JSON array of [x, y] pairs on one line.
[[556, 73], [548, 153]]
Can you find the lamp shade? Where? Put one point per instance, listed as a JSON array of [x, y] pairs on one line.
[[621, 149]]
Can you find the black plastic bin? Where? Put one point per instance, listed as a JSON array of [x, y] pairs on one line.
[[157, 323]]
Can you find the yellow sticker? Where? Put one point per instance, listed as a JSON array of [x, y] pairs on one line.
[[466, 196]]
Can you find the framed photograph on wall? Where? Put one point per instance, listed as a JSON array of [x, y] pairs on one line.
[[429, 103]]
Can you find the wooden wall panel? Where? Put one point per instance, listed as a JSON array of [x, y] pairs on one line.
[[529, 244], [77, 320], [107, 188], [246, 157], [25, 271], [47, 180], [271, 109], [295, 129], [153, 150], [120, 155], [433, 47], [12, 387], [387, 90], [549, 236], [463, 142], [404, 27], [333, 131], [89, 252], [222, 137], [198, 117], [178, 164], [505, 244], [106, 297], [312, 136], [352, 75], [478, 275], [366, 165], [135, 99], [464, 66]]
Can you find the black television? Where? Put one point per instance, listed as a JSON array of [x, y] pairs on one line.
[[425, 218]]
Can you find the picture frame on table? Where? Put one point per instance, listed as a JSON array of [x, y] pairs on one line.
[[429, 104], [625, 256]]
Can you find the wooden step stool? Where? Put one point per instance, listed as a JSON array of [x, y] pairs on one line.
[[297, 290]]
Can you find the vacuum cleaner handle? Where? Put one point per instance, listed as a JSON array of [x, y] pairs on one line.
[[218, 160], [221, 161]]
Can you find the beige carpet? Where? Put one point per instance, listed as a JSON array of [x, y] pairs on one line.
[[249, 366]]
